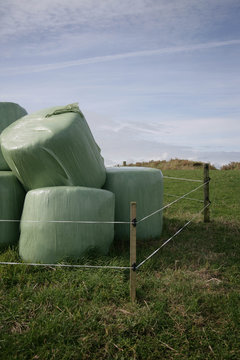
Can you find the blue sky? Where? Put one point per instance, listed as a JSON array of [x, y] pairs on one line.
[[155, 79]]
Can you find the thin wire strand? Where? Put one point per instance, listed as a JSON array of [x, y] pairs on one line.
[[68, 265], [183, 179], [188, 198], [105, 222], [173, 202], [167, 241], [67, 221]]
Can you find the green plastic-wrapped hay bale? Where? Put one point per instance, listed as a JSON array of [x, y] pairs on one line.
[[12, 197], [140, 184], [9, 112], [53, 147], [45, 238]]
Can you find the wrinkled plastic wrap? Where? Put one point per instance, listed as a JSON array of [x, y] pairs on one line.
[[51, 242], [12, 197], [140, 184], [9, 112], [53, 147]]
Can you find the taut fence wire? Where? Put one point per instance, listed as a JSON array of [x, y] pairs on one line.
[[68, 221], [173, 202], [68, 265], [173, 236], [108, 222], [134, 223], [183, 179], [186, 198]]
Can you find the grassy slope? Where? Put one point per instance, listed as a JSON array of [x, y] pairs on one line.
[[188, 295]]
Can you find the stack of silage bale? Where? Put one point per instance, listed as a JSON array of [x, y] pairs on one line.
[[11, 191], [72, 201], [55, 157]]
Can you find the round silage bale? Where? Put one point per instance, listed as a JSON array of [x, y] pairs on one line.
[[9, 112], [140, 184], [12, 197], [53, 147], [49, 228]]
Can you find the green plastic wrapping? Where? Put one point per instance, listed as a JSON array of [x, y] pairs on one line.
[[50, 242], [9, 112], [53, 147], [140, 184], [12, 197]]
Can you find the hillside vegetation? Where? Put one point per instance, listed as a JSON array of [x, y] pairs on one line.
[[231, 166], [188, 294], [173, 164], [180, 164]]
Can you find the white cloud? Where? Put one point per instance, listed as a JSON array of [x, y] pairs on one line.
[[133, 141], [169, 18], [207, 132], [156, 106], [52, 15]]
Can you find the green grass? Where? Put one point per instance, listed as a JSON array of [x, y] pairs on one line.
[[188, 295]]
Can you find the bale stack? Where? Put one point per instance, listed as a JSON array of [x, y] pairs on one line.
[[54, 155], [70, 205]]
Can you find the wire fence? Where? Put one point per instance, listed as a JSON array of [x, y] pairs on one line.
[[106, 222], [186, 198], [135, 266], [173, 236], [68, 265], [68, 221], [173, 202], [182, 179]]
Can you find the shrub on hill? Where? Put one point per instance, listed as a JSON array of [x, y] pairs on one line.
[[173, 164], [231, 166]]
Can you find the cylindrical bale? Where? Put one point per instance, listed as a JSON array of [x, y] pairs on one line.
[[49, 228], [140, 184], [9, 112], [12, 197], [53, 147]]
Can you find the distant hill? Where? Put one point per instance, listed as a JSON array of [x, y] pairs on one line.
[[231, 166], [173, 164], [180, 164]]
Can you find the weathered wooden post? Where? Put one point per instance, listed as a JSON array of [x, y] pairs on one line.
[[133, 223], [206, 180]]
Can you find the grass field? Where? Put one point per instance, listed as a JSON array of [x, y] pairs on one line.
[[188, 295]]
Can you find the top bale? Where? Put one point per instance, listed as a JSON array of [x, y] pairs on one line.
[[9, 112], [53, 147]]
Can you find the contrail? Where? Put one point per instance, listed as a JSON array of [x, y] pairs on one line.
[[115, 57]]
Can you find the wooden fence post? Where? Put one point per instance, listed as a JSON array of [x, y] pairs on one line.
[[133, 251], [206, 180]]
